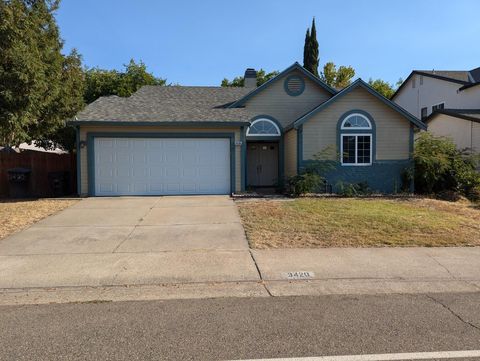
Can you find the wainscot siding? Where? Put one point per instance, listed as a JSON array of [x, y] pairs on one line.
[[84, 130], [275, 102], [290, 153]]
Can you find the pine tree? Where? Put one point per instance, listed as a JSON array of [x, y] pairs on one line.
[[306, 50], [39, 87], [310, 50], [313, 50]]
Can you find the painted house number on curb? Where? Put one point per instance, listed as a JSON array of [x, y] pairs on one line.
[[299, 275]]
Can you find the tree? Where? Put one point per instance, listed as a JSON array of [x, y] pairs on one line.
[[100, 82], [440, 167], [310, 50], [39, 86], [340, 78], [383, 87], [262, 77]]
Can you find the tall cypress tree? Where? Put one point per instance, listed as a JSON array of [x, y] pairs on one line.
[[306, 50], [313, 50]]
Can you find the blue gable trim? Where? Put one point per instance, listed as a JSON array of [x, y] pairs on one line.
[[360, 83], [91, 149], [295, 66]]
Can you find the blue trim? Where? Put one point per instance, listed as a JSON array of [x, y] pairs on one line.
[[299, 148], [372, 131], [265, 85], [243, 131], [79, 178], [91, 149], [199, 124], [288, 91], [360, 83]]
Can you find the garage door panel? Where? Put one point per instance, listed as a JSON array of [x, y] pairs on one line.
[[156, 166]]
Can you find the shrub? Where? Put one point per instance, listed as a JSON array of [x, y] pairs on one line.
[[304, 183], [440, 167], [346, 189]]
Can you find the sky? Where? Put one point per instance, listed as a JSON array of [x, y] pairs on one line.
[[200, 42]]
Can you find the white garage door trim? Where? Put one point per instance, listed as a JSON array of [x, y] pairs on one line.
[[215, 176]]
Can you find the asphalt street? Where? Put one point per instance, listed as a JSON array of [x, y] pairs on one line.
[[241, 328]]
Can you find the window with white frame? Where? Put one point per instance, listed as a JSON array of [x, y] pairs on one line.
[[356, 147], [263, 127]]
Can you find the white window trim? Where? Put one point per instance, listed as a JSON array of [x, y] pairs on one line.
[[359, 128], [434, 105], [264, 135], [356, 135]]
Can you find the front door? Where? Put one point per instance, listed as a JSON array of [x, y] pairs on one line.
[[262, 164]]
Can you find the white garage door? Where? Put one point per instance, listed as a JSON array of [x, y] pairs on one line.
[[161, 166]]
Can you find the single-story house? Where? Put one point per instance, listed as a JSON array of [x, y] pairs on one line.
[[220, 140], [462, 126]]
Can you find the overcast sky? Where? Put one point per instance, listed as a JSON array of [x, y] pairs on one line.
[[201, 42]]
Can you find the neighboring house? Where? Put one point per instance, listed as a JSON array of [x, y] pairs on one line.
[[460, 125], [214, 140], [424, 91]]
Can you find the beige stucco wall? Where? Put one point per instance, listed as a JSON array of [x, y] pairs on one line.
[[84, 130], [290, 153], [392, 129], [275, 102], [464, 133]]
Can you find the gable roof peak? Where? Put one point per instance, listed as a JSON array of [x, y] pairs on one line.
[[294, 66]]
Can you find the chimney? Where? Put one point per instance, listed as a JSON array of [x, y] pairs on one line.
[[250, 78]]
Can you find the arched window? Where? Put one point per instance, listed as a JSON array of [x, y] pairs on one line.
[[356, 121], [356, 140], [263, 127]]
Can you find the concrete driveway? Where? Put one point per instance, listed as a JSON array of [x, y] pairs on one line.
[[134, 240]]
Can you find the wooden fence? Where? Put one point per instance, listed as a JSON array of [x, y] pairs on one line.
[[42, 164]]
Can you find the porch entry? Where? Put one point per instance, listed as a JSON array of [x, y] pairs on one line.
[[262, 164]]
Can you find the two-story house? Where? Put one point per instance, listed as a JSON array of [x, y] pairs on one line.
[[448, 101]]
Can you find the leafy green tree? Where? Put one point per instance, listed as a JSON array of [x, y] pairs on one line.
[[39, 86], [310, 50], [440, 167], [340, 78], [383, 87], [100, 82], [239, 81]]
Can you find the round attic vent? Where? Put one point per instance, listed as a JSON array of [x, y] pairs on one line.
[[294, 85]]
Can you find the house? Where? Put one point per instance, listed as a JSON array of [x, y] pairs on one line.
[[214, 140], [460, 125], [424, 91]]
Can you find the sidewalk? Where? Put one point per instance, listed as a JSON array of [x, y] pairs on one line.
[[317, 272]]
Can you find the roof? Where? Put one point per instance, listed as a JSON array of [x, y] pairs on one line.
[[466, 78], [360, 83], [294, 66], [467, 114], [168, 104]]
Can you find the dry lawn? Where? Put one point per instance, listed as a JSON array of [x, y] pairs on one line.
[[17, 214], [346, 222]]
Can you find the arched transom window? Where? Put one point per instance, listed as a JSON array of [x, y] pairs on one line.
[[356, 140], [356, 121], [263, 127]]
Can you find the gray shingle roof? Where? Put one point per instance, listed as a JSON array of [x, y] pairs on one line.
[[169, 104], [461, 75]]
